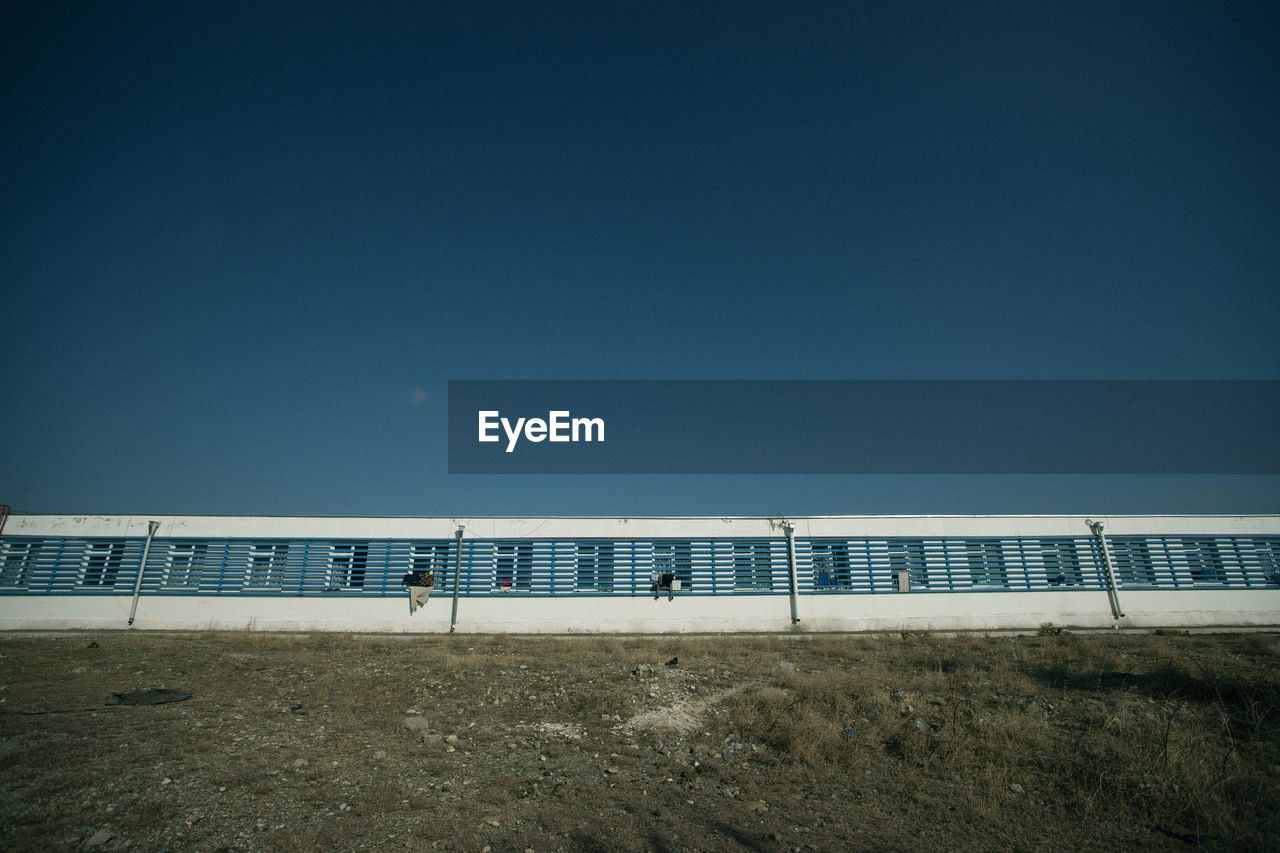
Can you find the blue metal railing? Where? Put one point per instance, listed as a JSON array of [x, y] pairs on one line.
[[948, 564], [1199, 562], [594, 567]]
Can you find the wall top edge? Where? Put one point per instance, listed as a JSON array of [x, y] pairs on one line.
[[776, 517]]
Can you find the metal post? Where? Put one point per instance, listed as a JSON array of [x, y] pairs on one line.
[[790, 529], [457, 573], [152, 527], [1113, 594]]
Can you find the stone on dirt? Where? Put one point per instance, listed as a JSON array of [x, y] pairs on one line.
[[99, 838]]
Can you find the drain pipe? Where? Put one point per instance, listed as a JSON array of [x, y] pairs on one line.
[[152, 527], [790, 529], [457, 573], [1113, 594]]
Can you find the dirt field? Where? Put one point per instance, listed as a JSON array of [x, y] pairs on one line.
[[1055, 742]]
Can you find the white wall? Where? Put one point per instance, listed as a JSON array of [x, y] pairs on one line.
[[177, 526], [642, 614], [519, 614]]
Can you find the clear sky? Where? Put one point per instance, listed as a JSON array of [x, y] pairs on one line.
[[243, 246]]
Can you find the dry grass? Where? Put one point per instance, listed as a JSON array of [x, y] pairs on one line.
[[1056, 741]]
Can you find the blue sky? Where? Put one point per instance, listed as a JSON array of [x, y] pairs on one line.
[[244, 246]]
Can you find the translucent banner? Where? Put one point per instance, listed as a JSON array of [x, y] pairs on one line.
[[864, 427]]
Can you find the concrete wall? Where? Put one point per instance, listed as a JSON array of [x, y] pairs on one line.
[[642, 614], [918, 610], [439, 527]]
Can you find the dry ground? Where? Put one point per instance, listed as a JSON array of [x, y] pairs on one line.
[[1056, 741]]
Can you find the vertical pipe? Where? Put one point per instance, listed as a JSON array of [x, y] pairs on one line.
[[790, 529], [1113, 594], [457, 573], [152, 527]]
